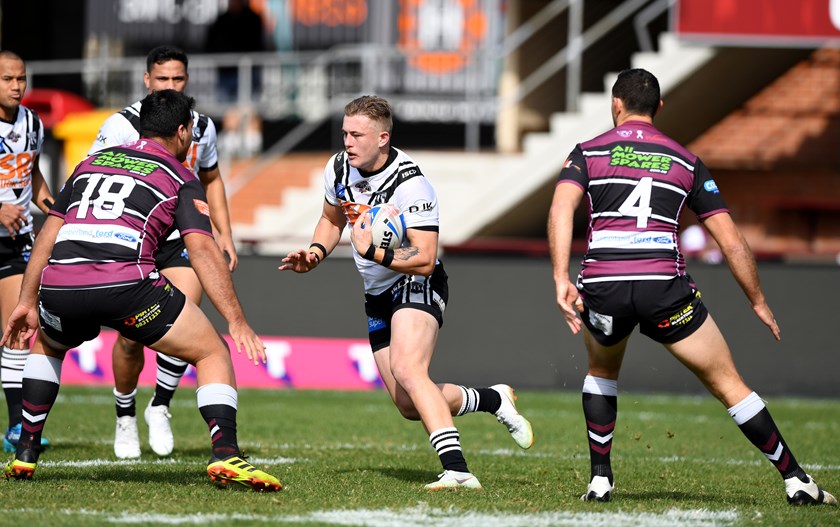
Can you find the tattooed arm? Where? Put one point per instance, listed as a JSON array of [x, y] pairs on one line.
[[418, 258]]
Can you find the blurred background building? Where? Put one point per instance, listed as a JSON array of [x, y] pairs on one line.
[[489, 95]]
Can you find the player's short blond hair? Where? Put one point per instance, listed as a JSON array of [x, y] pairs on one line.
[[374, 108]]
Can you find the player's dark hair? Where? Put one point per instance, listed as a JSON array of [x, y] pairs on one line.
[[638, 89], [373, 107], [162, 54], [162, 112], [10, 55]]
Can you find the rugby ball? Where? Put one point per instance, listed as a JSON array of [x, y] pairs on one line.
[[387, 226]]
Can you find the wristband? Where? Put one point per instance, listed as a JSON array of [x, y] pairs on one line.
[[313, 253], [371, 251], [319, 246], [388, 258]]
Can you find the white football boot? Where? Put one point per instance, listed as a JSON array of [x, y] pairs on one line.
[[599, 489], [126, 440], [160, 433], [807, 493], [451, 479], [507, 414]]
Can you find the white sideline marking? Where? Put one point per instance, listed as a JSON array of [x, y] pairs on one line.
[[426, 517], [129, 462]]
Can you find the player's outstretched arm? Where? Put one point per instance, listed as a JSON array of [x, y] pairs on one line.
[[566, 198], [741, 262], [326, 237], [215, 278]]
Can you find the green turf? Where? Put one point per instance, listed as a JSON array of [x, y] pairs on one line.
[[677, 460]]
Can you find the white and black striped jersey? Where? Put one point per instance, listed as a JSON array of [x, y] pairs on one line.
[[123, 127], [637, 181], [20, 145], [400, 183]]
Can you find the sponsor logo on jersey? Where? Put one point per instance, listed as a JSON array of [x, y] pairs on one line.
[[124, 162], [421, 208], [626, 156], [125, 237], [116, 234], [341, 191], [711, 186], [202, 207], [16, 169]]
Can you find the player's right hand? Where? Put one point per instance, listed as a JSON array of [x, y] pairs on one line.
[[570, 303], [763, 312], [23, 322], [301, 261], [246, 339], [12, 218]]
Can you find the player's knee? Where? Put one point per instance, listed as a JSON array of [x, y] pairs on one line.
[[127, 347]]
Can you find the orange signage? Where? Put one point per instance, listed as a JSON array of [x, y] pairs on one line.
[[329, 12], [417, 13]]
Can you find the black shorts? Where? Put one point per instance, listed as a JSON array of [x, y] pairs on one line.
[[665, 310], [426, 293], [14, 254], [142, 312], [172, 253]]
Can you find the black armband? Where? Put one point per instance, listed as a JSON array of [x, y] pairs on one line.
[[371, 251], [388, 258], [313, 253], [319, 246]]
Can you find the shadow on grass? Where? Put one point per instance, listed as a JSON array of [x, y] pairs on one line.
[[409, 475], [684, 497]]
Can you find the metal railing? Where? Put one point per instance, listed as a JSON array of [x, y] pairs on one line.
[[311, 86]]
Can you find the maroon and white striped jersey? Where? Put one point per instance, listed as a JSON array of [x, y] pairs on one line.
[[637, 181], [118, 206]]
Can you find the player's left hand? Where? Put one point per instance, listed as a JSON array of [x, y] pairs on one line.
[[360, 235], [21, 327], [227, 246]]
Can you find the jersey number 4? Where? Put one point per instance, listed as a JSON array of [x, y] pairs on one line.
[[637, 204], [109, 203]]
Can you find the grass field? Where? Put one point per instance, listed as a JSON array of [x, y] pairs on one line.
[[347, 458]]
